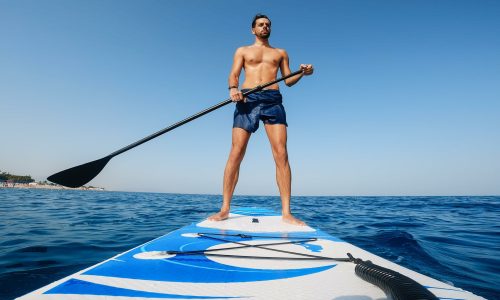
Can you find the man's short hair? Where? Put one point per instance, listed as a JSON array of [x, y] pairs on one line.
[[259, 16]]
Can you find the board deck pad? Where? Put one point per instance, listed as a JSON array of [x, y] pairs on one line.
[[251, 255]]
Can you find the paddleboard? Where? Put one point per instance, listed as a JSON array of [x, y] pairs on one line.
[[251, 255]]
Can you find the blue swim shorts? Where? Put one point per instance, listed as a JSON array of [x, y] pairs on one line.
[[265, 105]]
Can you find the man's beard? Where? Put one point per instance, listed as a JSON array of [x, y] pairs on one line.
[[265, 35]]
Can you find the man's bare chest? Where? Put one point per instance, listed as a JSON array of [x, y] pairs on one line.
[[268, 56]]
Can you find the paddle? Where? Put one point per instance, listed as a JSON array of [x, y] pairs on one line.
[[80, 175]]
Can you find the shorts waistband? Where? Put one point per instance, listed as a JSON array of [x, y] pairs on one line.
[[263, 91]]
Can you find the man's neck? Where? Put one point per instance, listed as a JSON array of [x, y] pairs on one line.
[[261, 42]]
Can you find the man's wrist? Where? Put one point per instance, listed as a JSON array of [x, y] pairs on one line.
[[233, 87]]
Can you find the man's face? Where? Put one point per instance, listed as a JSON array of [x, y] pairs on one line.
[[262, 28]]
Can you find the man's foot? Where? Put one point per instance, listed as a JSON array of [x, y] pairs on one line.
[[220, 216], [292, 220]]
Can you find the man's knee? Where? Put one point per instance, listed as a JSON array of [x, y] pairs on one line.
[[237, 152], [280, 154]]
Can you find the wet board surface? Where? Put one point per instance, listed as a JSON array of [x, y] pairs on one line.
[[251, 255]]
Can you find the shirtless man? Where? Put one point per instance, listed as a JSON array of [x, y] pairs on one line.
[[261, 63]]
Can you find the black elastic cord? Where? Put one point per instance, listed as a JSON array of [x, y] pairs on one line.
[[242, 245], [260, 246]]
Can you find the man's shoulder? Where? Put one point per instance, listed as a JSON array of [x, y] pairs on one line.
[[280, 50], [241, 50]]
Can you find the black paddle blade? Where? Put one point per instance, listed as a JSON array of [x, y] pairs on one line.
[[79, 175]]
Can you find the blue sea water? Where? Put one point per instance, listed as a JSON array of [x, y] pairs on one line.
[[48, 234]]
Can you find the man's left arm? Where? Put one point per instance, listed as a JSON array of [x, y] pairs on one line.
[[285, 70]]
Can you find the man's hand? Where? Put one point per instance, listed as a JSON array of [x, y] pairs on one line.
[[307, 69], [235, 95]]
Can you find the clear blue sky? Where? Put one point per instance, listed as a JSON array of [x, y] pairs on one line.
[[405, 99]]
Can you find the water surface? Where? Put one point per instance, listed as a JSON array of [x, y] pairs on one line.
[[49, 234]]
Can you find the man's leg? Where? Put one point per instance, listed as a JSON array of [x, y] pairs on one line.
[[231, 173], [277, 137]]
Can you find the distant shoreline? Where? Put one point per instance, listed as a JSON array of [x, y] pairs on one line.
[[47, 187]]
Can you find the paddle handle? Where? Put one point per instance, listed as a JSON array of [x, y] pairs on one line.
[[201, 113]]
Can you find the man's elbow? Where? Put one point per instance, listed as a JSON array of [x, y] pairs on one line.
[[232, 77]]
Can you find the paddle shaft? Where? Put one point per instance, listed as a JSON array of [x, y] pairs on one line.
[[82, 174], [201, 113]]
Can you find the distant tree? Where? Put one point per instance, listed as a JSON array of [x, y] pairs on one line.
[[16, 178]]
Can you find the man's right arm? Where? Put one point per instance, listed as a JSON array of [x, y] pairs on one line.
[[234, 75]]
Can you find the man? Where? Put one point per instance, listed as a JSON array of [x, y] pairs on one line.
[[261, 63]]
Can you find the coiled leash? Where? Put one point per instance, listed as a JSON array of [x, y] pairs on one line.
[[399, 286]]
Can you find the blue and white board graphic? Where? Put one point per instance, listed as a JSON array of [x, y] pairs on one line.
[[251, 255]]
